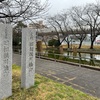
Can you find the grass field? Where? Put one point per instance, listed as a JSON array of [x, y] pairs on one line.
[[83, 47], [44, 89]]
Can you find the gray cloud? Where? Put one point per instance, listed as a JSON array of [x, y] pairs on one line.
[[59, 5]]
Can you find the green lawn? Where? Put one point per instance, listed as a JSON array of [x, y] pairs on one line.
[[44, 89]]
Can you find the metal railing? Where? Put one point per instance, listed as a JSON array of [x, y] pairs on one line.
[[72, 59]]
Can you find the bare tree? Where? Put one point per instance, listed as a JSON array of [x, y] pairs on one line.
[[51, 21], [65, 20], [93, 21], [21, 10], [79, 26], [90, 15], [59, 23]]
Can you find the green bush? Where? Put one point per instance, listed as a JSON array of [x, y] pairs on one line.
[[57, 43], [54, 42], [16, 41], [51, 42]]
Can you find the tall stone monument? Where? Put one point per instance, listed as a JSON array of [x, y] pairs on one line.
[[28, 57], [5, 61]]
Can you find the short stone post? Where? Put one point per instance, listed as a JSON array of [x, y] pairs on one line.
[[5, 61], [28, 57], [74, 51], [39, 47], [61, 52], [61, 49]]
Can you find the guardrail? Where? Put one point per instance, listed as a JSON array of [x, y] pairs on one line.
[[74, 59]]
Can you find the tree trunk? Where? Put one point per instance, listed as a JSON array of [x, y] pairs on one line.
[[91, 46], [80, 45], [68, 45]]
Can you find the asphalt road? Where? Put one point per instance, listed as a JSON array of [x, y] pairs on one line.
[[83, 79]]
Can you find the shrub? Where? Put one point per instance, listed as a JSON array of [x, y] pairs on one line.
[[54, 42]]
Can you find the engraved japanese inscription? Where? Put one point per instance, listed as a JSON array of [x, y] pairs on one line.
[[28, 57], [5, 60]]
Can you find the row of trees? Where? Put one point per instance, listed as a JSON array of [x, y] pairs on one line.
[[83, 20]]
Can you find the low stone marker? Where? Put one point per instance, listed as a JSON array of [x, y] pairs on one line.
[[28, 57], [74, 51], [39, 46], [61, 49], [5, 61]]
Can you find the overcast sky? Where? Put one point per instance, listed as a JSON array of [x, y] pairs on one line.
[[59, 5]]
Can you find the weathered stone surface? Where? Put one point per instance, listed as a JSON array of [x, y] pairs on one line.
[[28, 57], [5, 60]]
